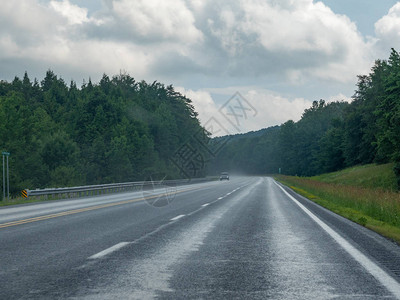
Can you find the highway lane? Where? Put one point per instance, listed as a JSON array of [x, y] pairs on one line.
[[30, 211], [246, 238], [32, 255]]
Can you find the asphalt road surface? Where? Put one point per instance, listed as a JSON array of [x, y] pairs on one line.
[[247, 238]]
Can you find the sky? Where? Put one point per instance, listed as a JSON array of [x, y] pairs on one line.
[[245, 64]]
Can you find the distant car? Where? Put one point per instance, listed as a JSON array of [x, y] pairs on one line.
[[224, 176]]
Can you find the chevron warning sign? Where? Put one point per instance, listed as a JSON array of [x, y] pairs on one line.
[[24, 194]]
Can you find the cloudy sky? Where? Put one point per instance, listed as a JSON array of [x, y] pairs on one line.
[[280, 55]]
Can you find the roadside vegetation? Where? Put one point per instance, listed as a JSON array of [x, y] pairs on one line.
[[363, 194], [20, 200], [372, 176]]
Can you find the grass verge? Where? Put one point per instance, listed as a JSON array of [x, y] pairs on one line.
[[374, 208], [20, 200], [368, 176]]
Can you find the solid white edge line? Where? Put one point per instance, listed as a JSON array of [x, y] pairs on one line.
[[220, 198], [109, 250], [384, 278], [177, 217], [207, 204]]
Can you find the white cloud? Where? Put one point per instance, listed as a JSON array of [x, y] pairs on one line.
[[227, 30], [170, 20], [197, 5], [100, 57], [290, 43], [36, 32], [339, 97], [314, 41], [25, 15], [27, 22], [387, 30], [271, 109], [298, 40], [73, 13], [26, 29], [202, 101]]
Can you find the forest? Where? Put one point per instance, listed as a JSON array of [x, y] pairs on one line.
[[118, 130], [121, 130], [329, 136]]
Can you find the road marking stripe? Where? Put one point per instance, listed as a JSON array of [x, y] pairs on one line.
[[207, 204], [109, 250], [220, 198], [177, 217], [384, 278], [75, 211]]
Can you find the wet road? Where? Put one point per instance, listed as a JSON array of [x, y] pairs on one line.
[[248, 238]]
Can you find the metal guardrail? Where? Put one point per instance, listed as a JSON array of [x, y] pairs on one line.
[[92, 190]]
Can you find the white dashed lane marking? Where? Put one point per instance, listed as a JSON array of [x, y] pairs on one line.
[[109, 250], [177, 217], [123, 244]]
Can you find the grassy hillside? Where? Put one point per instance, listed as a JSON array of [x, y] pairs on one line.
[[367, 176], [365, 195]]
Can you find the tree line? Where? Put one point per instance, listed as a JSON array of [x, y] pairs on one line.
[[329, 136], [122, 130], [117, 130]]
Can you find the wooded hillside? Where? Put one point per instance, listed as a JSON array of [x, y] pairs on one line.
[[329, 136], [118, 130]]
